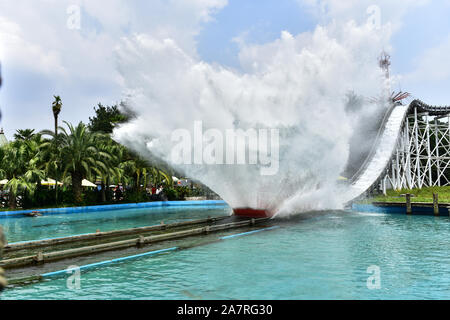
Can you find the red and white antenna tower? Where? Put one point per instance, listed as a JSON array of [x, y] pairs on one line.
[[385, 62]]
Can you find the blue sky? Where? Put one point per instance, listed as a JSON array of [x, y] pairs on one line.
[[426, 29], [40, 56], [258, 24]]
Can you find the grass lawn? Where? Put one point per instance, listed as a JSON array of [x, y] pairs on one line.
[[420, 195]]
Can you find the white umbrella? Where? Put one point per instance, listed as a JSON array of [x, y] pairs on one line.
[[86, 183], [50, 182], [3, 182]]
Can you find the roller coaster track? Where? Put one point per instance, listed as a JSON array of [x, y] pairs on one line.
[[431, 110], [384, 148]]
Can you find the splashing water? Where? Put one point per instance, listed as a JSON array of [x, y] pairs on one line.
[[294, 87]]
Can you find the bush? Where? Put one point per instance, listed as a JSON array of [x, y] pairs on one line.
[[172, 194], [132, 196], [45, 197], [180, 193]]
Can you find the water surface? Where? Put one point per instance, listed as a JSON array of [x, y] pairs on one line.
[[321, 256]]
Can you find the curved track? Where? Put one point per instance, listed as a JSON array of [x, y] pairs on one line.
[[385, 144]]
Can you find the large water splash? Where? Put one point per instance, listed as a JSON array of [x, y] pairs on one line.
[[297, 85]]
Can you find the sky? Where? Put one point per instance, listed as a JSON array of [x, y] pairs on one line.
[[70, 47]]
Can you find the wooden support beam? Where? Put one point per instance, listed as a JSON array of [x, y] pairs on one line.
[[408, 203]]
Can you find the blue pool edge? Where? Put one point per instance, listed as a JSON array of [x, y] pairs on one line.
[[87, 209]]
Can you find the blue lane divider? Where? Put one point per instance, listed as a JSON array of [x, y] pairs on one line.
[[159, 204], [98, 264], [247, 233]]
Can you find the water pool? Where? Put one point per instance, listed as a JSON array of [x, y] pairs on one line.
[[60, 225], [317, 256]]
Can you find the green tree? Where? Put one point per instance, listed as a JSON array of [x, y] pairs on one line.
[[140, 171], [113, 171], [19, 165], [24, 134], [106, 119], [51, 161], [80, 155]]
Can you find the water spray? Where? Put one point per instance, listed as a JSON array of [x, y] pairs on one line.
[[295, 85]]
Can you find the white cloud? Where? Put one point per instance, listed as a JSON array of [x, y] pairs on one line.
[[80, 64], [20, 51]]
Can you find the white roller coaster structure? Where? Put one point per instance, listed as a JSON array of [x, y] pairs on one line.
[[412, 150]]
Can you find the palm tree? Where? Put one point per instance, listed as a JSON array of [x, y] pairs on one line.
[[159, 176], [141, 170], [24, 134], [56, 106], [80, 155], [113, 171], [51, 161], [18, 164]]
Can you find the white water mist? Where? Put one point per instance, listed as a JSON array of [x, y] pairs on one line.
[[296, 84]]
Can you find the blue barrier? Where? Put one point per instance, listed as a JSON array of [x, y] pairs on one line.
[[100, 264], [247, 233], [159, 204], [370, 208], [399, 209]]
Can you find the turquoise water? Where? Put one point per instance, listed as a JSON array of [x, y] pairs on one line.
[[320, 256], [62, 225]]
